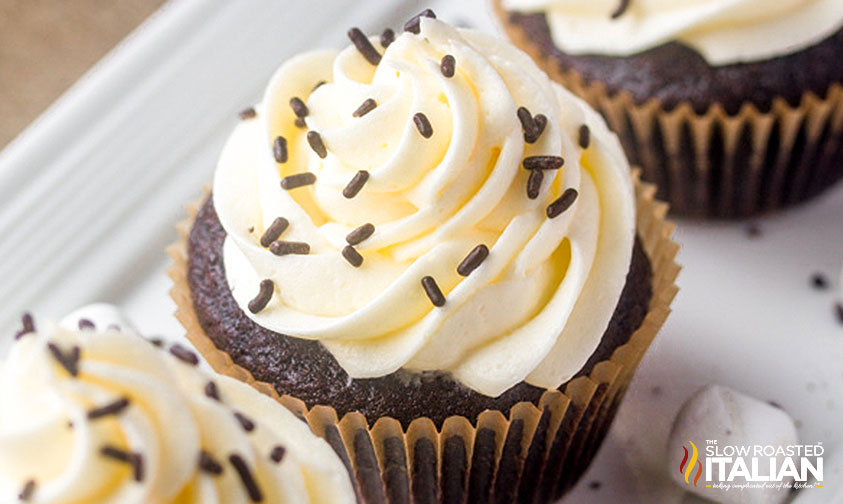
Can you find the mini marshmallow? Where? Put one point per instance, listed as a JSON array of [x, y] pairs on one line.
[[103, 316], [730, 418]]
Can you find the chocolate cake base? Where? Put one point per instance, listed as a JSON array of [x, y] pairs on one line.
[[306, 370], [711, 137], [674, 73]]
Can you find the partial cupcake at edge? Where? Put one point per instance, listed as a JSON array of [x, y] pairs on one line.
[[423, 230], [732, 108], [100, 414]]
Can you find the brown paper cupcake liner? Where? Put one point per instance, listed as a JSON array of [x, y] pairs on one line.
[[535, 454], [717, 164]]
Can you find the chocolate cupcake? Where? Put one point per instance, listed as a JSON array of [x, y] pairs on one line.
[[731, 108], [102, 415], [424, 236]]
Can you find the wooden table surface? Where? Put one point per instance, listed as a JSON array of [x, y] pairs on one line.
[[46, 45]]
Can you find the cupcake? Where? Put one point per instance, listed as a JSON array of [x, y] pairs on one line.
[[731, 108], [100, 415], [423, 235]]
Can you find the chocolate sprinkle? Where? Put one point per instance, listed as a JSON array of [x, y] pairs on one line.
[[28, 326], [28, 491], [316, 143], [209, 464], [246, 477], [355, 184], [562, 203], [819, 281], [387, 37], [274, 231], [70, 362], [621, 9], [753, 230], [279, 149], [543, 162], [267, 288], [297, 180], [433, 292], [135, 459], [838, 309], [300, 122], [248, 113], [423, 125], [540, 121], [534, 183], [113, 408], [75, 354], [158, 342], [184, 354], [362, 43], [474, 259], [414, 24], [448, 65], [245, 422], [212, 391], [298, 106], [585, 136], [137, 462], [282, 248], [367, 106], [318, 85], [533, 126], [352, 256], [595, 485], [86, 324], [360, 234], [277, 454], [525, 117]]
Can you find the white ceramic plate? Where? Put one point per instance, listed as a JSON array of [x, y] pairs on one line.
[[91, 191]]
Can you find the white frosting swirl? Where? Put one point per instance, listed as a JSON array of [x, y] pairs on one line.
[[168, 421], [722, 31], [536, 308]]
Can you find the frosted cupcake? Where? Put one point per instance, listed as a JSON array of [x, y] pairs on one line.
[[732, 108], [424, 226], [99, 415]]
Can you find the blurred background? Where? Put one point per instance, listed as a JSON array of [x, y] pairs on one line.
[[46, 45]]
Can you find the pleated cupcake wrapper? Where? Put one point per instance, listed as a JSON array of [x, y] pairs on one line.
[[717, 164], [534, 454]]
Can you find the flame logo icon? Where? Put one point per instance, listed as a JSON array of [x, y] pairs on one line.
[[686, 467]]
